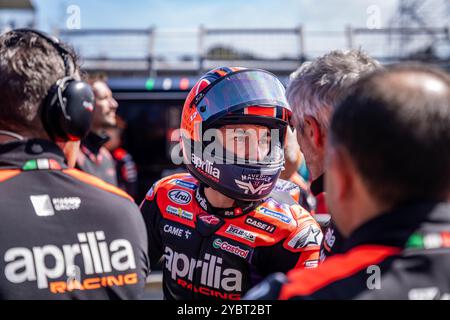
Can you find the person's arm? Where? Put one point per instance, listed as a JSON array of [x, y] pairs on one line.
[[301, 249], [152, 217]]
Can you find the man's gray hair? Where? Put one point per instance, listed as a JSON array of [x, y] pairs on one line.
[[317, 86]]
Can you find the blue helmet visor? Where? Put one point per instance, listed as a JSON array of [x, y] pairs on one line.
[[239, 90]]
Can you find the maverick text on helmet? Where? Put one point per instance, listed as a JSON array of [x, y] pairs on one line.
[[235, 96]]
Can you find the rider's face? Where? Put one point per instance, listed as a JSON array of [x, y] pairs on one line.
[[246, 141]]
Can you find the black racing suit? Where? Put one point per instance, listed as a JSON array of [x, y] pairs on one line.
[[65, 234], [402, 254], [211, 253]]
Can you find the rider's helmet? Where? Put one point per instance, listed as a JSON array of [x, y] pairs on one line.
[[234, 96]]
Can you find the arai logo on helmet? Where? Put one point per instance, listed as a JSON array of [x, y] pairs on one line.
[[180, 196], [205, 166]]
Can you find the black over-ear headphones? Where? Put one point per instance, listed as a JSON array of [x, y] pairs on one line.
[[68, 108]]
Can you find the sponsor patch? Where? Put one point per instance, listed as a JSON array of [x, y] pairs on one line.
[[274, 214], [241, 233], [309, 236], [201, 201], [45, 206], [228, 213], [209, 219], [42, 205], [311, 264], [225, 246], [180, 213], [66, 203], [259, 224], [177, 231], [185, 184], [180, 196]]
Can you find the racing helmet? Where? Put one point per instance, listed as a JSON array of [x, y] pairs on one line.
[[234, 96]]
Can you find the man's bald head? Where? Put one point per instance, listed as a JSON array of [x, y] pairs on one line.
[[395, 125]]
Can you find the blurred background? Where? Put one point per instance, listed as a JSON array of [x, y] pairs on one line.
[[154, 51]]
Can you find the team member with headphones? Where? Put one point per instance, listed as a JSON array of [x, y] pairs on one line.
[[64, 233]]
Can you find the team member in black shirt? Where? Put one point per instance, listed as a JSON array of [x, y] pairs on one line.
[[64, 234], [396, 218]]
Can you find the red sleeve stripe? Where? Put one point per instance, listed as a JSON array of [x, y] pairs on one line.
[[8, 174], [306, 282]]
